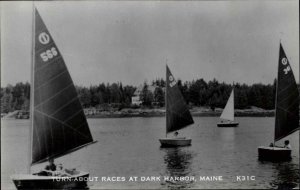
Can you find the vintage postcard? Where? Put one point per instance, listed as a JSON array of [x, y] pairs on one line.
[[150, 94]]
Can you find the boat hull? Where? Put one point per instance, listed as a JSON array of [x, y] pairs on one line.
[[168, 142], [274, 154], [29, 181], [228, 124]]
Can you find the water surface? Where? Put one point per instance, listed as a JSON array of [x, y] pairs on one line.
[[129, 147]]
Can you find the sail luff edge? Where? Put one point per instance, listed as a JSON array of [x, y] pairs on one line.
[[276, 95], [31, 89]]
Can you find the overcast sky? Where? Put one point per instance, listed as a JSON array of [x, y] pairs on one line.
[[112, 41]]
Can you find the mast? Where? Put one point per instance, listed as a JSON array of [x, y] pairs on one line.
[[276, 94], [166, 104], [233, 98], [31, 90]]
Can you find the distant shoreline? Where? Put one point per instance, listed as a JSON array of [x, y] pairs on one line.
[[159, 115], [160, 112], [196, 112]]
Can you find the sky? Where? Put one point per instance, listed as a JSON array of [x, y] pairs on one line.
[[132, 41]]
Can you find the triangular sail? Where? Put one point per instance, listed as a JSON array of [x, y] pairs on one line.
[[178, 115], [287, 99], [59, 123], [228, 112]]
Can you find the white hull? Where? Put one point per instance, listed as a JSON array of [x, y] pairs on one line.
[[173, 142], [35, 181]]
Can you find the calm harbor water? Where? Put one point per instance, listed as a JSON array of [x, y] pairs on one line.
[[129, 147]]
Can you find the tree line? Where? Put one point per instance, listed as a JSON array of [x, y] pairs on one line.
[[215, 94], [196, 93]]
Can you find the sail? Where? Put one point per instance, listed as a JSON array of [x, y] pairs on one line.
[[178, 115], [287, 99], [59, 123], [228, 112]]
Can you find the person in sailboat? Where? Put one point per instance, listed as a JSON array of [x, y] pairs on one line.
[[61, 172], [51, 166], [287, 144], [176, 134]]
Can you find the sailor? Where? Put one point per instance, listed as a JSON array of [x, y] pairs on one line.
[[61, 172], [176, 134], [287, 144], [51, 166]]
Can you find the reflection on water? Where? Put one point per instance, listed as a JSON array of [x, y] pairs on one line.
[[227, 136], [178, 164], [287, 175]]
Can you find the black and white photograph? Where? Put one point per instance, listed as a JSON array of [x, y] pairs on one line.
[[150, 94]]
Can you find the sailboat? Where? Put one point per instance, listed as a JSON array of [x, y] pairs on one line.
[[227, 116], [58, 124], [287, 111], [178, 115]]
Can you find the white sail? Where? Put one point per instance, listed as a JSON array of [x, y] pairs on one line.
[[228, 112]]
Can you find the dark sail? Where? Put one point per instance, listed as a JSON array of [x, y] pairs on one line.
[[59, 123], [287, 106], [178, 115]]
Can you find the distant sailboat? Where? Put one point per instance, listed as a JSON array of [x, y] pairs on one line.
[[59, 126], [178, 115], [227, 117], [287, 111]]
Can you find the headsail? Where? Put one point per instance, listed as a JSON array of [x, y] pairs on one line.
[[59, 123], [228, 112], [178, 115], [287, 99]]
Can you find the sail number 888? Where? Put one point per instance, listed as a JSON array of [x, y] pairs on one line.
[[49, 54]]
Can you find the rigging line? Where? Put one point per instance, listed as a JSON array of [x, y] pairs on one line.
[[54, 95], [285, 88], [287, 111], [63, 106], [81, 124], [182, 115], [38, 140], [179, 100], [50, 62], [293, 103], [72, 116], [287, 97], [51, 79], [61, 122]]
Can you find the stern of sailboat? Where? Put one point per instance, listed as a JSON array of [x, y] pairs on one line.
[[34, 181], [274, 154], [175, 142]]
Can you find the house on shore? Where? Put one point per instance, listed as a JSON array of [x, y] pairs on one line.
[[135, 99]]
